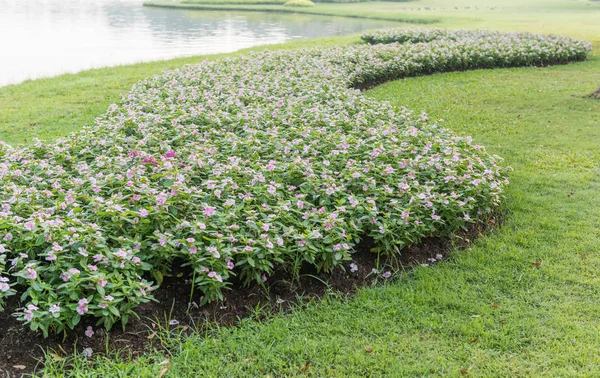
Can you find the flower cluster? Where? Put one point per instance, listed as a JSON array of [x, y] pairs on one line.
[[236, 167]]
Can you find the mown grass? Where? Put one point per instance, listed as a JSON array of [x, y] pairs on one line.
[[522, 301]]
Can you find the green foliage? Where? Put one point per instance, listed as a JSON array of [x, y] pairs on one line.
[[299, 3]]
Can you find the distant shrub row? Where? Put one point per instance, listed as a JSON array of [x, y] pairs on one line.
[[241, 166], [300, 3]]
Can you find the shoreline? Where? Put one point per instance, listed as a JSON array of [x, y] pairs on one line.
[[281, 9]]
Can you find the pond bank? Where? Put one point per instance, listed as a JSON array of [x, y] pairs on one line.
[[321, 9]]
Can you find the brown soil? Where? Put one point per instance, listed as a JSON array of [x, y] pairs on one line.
[[22, 350], [596, 93]]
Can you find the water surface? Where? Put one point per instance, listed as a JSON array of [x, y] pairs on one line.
[[40, 38]]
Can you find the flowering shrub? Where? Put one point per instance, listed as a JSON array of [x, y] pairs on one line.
[[509, 49], [239, 166]]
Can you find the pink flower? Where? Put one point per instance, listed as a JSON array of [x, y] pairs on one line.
[[82, 307], [230, 264], [170, 154], [29, 226], [54, 309], [271, 165], [387, 274], [29, 312], [89, 332], [143, 213], [31, 273], [216, 276], [7, 237], [161, 199], [102, 283], [209, 211], [214, 252], [149, 159]]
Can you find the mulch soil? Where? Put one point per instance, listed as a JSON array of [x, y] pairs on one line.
[[22, 350], [595, 94]]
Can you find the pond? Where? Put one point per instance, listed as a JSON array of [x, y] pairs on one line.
[[41, 38]]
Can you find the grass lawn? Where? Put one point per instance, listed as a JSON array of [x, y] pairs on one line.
[[522, 301]]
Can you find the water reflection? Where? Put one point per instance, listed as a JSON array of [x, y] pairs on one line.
[[47, 37]]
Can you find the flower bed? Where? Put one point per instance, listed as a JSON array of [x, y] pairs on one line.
[[240, 166]]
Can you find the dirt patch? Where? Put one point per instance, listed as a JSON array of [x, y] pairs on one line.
[[595, 94], [22, 350]]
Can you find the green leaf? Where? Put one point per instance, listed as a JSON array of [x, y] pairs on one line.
[[114, 310]]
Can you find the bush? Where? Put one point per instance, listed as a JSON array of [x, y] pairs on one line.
[[241, 166], [299, 3]]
